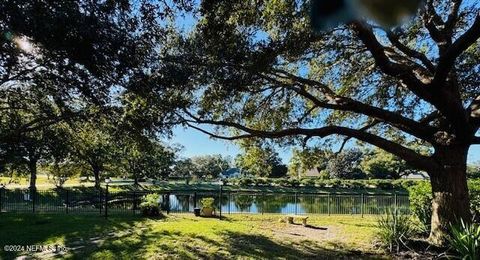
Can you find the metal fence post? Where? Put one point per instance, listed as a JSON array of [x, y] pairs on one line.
[[33, 199], [328, 204], [362, 205], [194, 200], [66, 202], [1, 198], [220, 201], [263, 202], [168, 202], [295, 203], [106, 201], [395, 201], [134, 206], [229, 201], [100, 200]]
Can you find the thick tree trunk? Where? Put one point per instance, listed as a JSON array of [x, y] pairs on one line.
[[135, 179], [450, 193], [32, 168], [96, 175]]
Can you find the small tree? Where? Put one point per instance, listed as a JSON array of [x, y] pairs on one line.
[[308, 159], [184, 168], [93, 145], [261, 161], [209, 166], [378, 164], [346, 165], [143, 157]]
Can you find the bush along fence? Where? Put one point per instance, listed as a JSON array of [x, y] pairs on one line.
[[108, 203]]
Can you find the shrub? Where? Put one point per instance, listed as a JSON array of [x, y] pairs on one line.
[[324, 175], [385, 185], [334, 183], [261, 181], [354, 184], [405, 183], [393, 229], [293, 182], [278, 181], [320, 183], [308, 182], [245, 182], [208, 203], [465, 240], [420, 196], [59, 181], [150, 205], [372, 183], [474, 190]]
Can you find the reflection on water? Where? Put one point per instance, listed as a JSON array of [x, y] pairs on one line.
[[291, 203]]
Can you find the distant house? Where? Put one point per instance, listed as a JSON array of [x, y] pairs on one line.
[[311, 173], [230, 173], [416, 176]]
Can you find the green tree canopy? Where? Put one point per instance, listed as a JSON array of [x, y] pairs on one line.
[[144, 157], [260, 160], [307, 159], [378, 164], [209, 166]]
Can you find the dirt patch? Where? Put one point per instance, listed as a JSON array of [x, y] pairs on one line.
[[309, 232]]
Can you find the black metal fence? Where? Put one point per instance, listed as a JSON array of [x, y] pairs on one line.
[[127, 202]]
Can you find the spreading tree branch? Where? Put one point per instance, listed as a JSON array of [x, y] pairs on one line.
[[410, 156], [447, 60], [365, 32], [346, 139], [337, 102], [394, 39]]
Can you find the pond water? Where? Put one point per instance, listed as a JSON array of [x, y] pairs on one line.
[[290, 203]]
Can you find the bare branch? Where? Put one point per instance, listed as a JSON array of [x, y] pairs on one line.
[[366, 127], [430, 117], [453, 16], [404, 73], [432, 21], [410, 52], [337, 102]]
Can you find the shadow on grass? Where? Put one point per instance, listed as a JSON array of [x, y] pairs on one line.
[[262, 247], [39, 229], [93, 237]]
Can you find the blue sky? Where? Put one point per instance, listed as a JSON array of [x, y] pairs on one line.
[[196, 143]]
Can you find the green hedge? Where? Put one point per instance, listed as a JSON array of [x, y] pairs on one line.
[[321, 183], [420, 195]]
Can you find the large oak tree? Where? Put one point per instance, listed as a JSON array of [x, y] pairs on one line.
[[68, 61], [261, 72]]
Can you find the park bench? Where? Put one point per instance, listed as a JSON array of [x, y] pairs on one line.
[[290, 219]]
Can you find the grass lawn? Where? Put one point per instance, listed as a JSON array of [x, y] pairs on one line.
[[42, 182], [184, 236]]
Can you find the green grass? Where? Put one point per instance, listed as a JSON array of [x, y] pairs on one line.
[[187, 237], [42, 182]]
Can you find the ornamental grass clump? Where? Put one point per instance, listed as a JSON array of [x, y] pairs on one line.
[[465, 240], [394, 229]]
